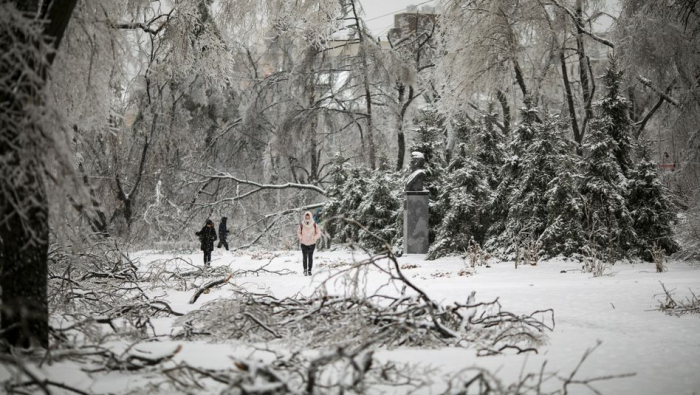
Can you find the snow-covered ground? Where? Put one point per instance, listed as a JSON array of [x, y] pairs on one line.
[[620, 310]]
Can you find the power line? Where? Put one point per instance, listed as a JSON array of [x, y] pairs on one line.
[[394, 12], [384, 30]]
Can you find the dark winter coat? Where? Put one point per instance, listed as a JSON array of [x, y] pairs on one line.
[[223, 231], [207, 237]]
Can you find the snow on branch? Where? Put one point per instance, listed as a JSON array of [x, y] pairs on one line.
[[338, 333], [146, 26], [409, 319], [581, 28], [225, 176], [646, 82]]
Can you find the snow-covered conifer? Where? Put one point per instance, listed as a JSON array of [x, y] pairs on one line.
[[429, 138], [488, 144], [462, 205], [608, 162], [613, 118], [369, 197], [607, 220], [537, 200], [650, 207]]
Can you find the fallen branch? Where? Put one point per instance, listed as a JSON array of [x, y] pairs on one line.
[[691, 305], [206, 287]]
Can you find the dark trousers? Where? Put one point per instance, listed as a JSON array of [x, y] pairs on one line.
[[207, 257], [308, 253], [224, 243]]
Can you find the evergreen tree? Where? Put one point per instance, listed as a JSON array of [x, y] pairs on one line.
[[344, 195], [488, 144], [370, 198], [429, 138], [608, 162], [511, 171], [467, 190], [607, 220], [381, 211], [537, 199], [564, 233], [614, 119], [463, 206], [651, 209]]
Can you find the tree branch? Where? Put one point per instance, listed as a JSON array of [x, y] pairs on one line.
[[220, 175], [145, 26], [581, 28], [665, 96]]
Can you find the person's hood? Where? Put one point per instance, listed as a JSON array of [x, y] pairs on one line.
[[209, 222], [223, 219], [303, 217]]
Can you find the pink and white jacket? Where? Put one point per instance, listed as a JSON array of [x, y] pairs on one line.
[[308, 232]]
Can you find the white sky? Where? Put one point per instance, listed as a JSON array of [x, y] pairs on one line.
[[380, 23]]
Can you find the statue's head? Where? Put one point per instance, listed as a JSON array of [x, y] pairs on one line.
[[417, 160]]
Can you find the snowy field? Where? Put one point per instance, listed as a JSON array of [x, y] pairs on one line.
[[619, 310]]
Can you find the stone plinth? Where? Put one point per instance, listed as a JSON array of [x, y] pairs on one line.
[[415, 222]]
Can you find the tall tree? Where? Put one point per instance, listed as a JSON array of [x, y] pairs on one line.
[[413, 53], [535, 202], [606, 170], [24, 140], [485, 45]]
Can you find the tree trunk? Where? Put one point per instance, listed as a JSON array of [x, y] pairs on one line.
[[313, 125], [401, 136], [503, 99], [519, 77], [583, 71], [24, 230], [97, 219], [24, 257], [570, 102], [368, 96]]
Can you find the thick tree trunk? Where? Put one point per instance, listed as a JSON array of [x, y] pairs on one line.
[[25, 245], [24, 226]]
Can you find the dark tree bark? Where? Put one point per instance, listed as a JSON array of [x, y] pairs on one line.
[[314, 152], [643, 123], [365, 82], [519, 77], [570, 103], [24, 226], [128, 198], [584, 73], [503, 99], [401, 136]]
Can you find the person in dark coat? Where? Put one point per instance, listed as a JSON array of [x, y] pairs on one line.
[[223, 233], [207, 237]]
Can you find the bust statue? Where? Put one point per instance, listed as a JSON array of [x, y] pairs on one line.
[[415, 179]]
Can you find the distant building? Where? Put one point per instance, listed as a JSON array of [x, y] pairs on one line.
[[412, 21]]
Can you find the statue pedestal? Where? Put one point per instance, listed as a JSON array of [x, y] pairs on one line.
[[415, 222]]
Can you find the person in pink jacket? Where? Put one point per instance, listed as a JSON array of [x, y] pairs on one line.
[[308, 233]]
